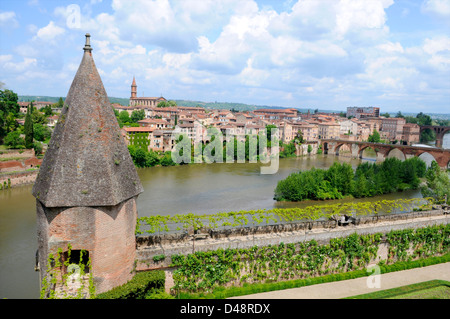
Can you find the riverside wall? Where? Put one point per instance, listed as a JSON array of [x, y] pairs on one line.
[[18, 167], [19, 178], [321, 231]]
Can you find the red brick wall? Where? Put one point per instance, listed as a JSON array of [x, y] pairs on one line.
[[108, 233]]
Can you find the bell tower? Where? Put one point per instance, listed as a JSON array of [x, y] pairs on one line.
[[87, 186], [133, 89]]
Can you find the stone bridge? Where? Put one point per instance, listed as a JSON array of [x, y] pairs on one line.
[[439, 130], [441, 156]]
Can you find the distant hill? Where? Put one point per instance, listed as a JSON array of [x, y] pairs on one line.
[[28, 98], [217, 105], [53, 99], [240, 107], [208, 105]]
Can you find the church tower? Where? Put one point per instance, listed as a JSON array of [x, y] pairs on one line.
[[87, 186], [133, 89]]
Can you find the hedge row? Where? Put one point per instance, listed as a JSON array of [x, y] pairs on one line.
[[139, 287], [222, 293]]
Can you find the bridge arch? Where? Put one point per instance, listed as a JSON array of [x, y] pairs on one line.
[[440, 132], [426, 157], [363, 147], [344, 146], [396, 152]]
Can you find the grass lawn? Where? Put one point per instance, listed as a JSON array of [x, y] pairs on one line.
[[434, 289]]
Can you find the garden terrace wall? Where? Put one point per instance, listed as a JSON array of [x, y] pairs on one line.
[[19, 178], [321, 231], [26, 153], [149, 240]]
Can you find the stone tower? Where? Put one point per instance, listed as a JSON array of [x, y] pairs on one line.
[[87, 185], [133, 89]]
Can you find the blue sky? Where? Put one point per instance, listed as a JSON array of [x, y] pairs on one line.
[[327, 54]]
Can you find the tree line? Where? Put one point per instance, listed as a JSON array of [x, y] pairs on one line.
[[33, 133], [340, 180]]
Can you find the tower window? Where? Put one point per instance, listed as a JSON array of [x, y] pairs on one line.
[[77, 258]]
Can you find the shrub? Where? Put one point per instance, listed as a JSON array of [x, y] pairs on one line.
[[140, 286]]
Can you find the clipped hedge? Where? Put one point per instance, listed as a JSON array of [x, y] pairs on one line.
[[142, 284]]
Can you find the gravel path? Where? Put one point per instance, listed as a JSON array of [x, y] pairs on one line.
[[352, 287]]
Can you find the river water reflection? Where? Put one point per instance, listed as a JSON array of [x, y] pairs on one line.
[[198, 189]]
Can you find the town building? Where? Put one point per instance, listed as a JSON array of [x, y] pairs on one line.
[[277, 114], [363, 112], [329, 130], [310, 132], [411, 133], [392, 128], [154, 122], [143, 101]]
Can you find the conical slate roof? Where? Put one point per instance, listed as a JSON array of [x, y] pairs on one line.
[[87, 162]]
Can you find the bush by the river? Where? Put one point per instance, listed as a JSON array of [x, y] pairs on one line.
[[340, 180], [144, 158]]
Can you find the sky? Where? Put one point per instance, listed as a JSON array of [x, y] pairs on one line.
[[328, 54]]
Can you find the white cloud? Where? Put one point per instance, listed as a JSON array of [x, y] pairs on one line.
[[12, 66], [251, 76], [437, 7], [358, 14], [49, 32], [437, 44], [339, 51], [8, 20], [390, 47]]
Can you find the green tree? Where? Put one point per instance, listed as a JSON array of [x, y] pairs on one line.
[[124, 117], [375, 137], [37, 147], [38, 117], [437, 183], [299, 137], [169, 103], [424, 119], [47, 110], [8, 108], [8, 102], [166, 160], [28, 127], [340, 177], [60, 103], [361, 187], [137, 115], [288, 150], [151, 158], [10, 123], [427, 135], [140, 157], [411, 119], [41, 132], [14, 140]]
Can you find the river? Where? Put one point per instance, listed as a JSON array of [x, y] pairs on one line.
[[197, 188]]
